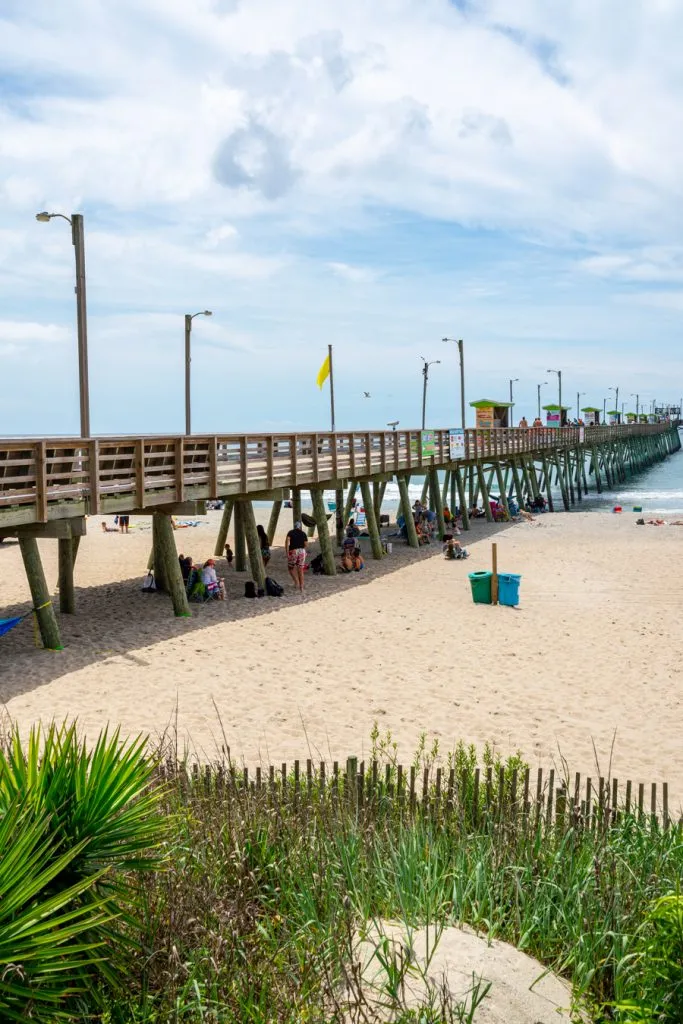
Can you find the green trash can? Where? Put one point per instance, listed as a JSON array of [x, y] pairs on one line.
[[481, 587]]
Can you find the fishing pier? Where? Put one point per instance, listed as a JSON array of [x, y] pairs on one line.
[[48, 486]]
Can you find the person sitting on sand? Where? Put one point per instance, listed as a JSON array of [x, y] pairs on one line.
[[348, 544], [422, 531], [214, 587], [358, 562], [453, 548], [185, 566], [265, 546], [346, 564], [109, 529], [447, 515]]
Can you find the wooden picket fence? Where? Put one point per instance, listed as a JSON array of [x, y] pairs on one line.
[[477, 797]]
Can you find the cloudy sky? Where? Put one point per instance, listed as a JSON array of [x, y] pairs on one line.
[[374, 175]]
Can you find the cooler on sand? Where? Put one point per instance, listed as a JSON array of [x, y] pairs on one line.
[[480, 583], [508, 588]]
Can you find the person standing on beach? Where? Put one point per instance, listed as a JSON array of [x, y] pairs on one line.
[[295, 549], [123, 524]]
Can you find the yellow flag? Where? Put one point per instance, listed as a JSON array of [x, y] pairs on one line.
[[323, 372]]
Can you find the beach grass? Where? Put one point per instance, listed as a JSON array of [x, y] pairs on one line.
[[258, 898]]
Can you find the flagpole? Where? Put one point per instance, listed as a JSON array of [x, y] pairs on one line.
[[329, 350]]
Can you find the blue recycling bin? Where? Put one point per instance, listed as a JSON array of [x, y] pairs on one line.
[[508, 588]]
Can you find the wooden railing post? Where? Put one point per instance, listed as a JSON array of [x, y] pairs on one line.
[[39, 458], [94, 476]]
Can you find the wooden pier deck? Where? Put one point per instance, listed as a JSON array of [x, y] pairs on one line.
[[46, 479]]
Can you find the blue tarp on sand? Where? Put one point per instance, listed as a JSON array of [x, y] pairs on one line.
[[7, 624]]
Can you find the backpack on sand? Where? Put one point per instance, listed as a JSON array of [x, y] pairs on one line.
[[149, 583], [317, 565], [273, 589], [250, 589]]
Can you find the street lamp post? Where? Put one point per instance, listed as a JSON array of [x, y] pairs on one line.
[[77, 238], [635, 395], [459, 342], [189, 317], [578, 403], [604, 412], [616, 400], [559, 389], [513, 380], [425, 378], [538, 389]]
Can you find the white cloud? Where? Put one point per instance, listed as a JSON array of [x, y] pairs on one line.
[[25, 332], [357, 275]]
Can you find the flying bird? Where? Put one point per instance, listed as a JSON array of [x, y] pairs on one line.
[[366, 394]]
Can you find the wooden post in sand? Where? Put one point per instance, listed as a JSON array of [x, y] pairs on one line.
[[568, 479], [40, 595], [296, 506], [411, 532], [454, 492], [501, 488], [444, 489], [258, 572], [561, 481], [240, 539], [376, 500], [67, 596], [425, 489], [548, 485], [222, 538], [272, 522], [494, 574], [167, 555], [435, 501], [484, 493], [158, 563], [350, 498], [578, 465], [339, 515], [320, 516], [457, 477], [519, 494], [373, 526]]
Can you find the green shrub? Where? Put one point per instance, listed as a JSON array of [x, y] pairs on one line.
[[88, 825]]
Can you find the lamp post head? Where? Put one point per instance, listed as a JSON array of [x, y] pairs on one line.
[[43, 217], [207, 312]]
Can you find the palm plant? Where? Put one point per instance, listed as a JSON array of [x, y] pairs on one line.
[[92, 816]]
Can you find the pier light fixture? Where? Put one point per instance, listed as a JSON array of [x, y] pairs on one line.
[[513, 380], [538, 395], [559, 389], [461, 355], [77, 239], [189, 317], [425, 378], [393, 424]]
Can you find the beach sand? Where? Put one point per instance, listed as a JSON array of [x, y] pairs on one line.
[[590, 660]]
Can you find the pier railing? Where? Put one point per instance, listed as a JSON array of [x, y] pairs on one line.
[[48, 478]]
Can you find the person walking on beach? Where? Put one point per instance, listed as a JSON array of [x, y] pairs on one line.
[[295, 549], [123, 524]]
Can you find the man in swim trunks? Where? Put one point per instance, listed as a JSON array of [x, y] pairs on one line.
[[295, 548]]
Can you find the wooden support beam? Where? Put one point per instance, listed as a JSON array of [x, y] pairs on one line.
[[373, 525], [258, 572], [67, 596], [519, 494], [565, 457], [457, 477], [353, 487], [339, 523], [167, 556], [272, 522], [40, 595], [436, 504], [240, 538], [485, 497], [444, 489], [296, 505], [411, 532], [425, 489], [320, 516], [375, 497], [453, 485], [55, 529], [562, 482], [39, 458], [501, 488], [222, 538], [158, 563], [535, 489], [577, 465], [548, 485]]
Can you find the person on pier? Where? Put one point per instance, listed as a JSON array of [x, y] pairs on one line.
[[523, 424]]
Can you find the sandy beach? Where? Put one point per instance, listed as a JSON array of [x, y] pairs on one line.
[[590, 659]]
